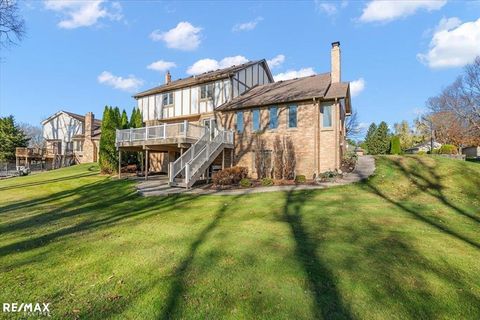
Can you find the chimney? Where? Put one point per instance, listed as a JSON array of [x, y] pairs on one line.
[[335, 61], [168, 77], [89, 117]]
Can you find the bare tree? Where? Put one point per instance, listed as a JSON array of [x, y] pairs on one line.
[[34, 133], [289, 162], [12, 25], [277, 158], [352, 126], [459, 103]]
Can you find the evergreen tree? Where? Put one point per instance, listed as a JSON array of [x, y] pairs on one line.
[[382, 138], [370, 137], [136, 120], [107, 152], [117, 118], [124, 120], [11, 137], [395, 145]]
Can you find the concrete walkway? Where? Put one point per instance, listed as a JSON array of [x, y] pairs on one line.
[[158, 186]]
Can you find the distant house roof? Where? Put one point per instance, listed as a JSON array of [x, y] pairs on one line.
[[202, 78], [299, 89]]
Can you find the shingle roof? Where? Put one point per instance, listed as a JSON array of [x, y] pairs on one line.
[[96, 122], [316, 86], [197, 79]]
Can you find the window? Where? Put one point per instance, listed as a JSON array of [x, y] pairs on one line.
[[206, 91], [256, 120], [168, 98], [78, 145], [240, 122], [292, 116], [273, 121], [327, 116]]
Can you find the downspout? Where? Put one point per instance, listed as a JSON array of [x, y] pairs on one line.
[[317, 137], [337, 146]]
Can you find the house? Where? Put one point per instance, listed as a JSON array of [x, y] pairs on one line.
[[216, 119], [70, 139], [471, 152], [423, 147]]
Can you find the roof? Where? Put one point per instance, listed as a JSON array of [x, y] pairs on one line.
[[201, 78], [97, 124], [299, 89]]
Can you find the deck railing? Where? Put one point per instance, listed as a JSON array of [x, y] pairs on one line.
[[163, 131]]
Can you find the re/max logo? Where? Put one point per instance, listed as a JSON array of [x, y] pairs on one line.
[[38, 308]]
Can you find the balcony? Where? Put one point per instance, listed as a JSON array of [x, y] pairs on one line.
[[173, 133]]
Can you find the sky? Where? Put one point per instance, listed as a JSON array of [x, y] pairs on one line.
[[79, 56]]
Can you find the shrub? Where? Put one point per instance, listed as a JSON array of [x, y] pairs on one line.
[[300, 179], [330, 176], [395, 145], [267, 182], [229, 176], [448, 149], [245, 183], [349, 161], [421, 153]]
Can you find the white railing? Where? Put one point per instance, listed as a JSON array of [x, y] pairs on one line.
[[205, 155], [163, 131], [178, 166]]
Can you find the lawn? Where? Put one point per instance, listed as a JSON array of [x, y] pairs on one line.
[[403, 245]]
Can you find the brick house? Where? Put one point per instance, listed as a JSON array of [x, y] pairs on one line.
[[70, 138], [216, 119]]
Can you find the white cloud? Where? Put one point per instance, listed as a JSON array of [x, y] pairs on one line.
[[184, 36], [384, 11], [78, 13], [161, 65], [453, 44], [291, 74], [130, 84], [205, 65], [357, 86], [327, 7], [276, 61], [247, 26]]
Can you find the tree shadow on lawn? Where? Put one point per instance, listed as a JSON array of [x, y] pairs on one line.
[[400, 279], [101, 204], [431, 187], [328, 302], [179, 286], [430, 182]]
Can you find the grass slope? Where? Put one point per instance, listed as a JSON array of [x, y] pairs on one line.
[[403, 245]]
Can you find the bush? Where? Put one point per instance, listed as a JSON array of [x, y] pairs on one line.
[[229, 176], [421, 153], [395, 145], [300, 179], [267, 182], [448, 149], [330, 176], [245, 183], [349, 161]]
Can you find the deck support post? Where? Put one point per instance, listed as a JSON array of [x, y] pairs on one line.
[[223, 158], [231, 157], [146, 164], [119, 164]]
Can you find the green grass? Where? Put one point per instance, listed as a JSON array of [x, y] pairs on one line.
[[403, 245]]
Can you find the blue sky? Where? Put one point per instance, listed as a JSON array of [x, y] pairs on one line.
[[81, 56]]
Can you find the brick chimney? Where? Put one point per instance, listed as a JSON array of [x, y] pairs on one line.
[[168, 77], [89, 118], [335, 61]]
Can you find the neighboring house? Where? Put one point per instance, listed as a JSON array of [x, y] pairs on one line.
[[424, 147], [70, 138], [471, 152], [215, 120]]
